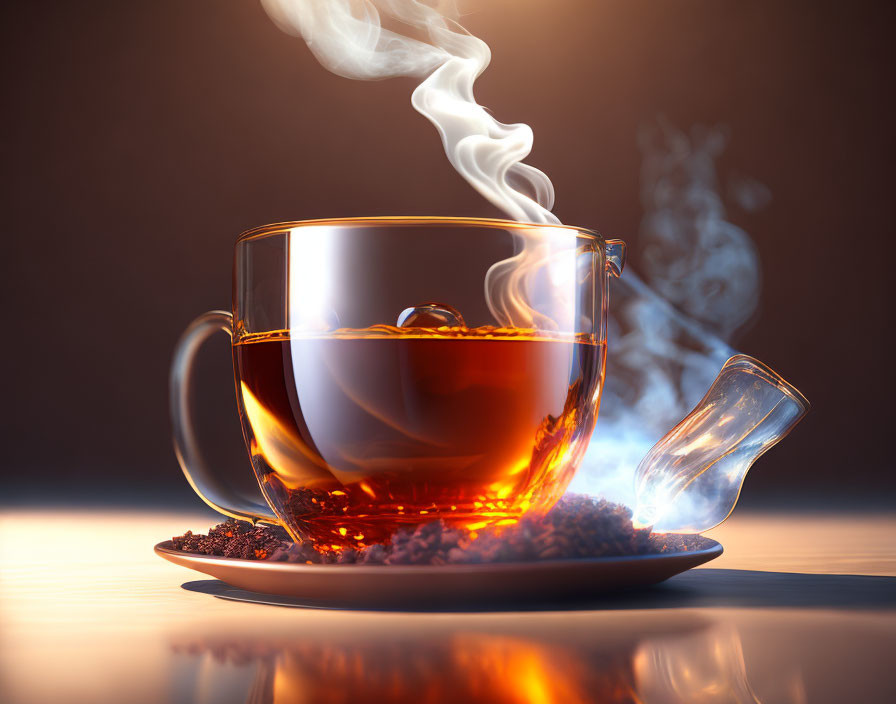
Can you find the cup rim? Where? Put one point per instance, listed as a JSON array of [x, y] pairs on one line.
[[411, 220]]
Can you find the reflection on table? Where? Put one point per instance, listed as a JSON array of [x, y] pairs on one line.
[[89, 614], [690, 661]]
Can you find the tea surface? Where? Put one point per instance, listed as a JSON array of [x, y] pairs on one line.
[[361, 432]]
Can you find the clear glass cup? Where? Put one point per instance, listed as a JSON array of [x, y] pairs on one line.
[[393, 371]]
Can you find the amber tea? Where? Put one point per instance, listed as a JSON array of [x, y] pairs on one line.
[[357, 433]]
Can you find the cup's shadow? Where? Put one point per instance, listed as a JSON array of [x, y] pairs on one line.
[[705, 587]]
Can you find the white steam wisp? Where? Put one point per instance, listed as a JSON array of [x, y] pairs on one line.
[[348, 37]]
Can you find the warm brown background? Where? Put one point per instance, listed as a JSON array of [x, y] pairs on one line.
[[139, 138]]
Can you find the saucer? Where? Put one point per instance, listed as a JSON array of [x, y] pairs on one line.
[[416, 586]]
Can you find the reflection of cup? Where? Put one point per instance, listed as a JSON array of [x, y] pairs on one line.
[[464, 667], [624, 661], [366, 406]]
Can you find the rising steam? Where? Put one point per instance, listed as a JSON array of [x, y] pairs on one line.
[[664, 356], [670, 334], [349, 38], [702, 264]]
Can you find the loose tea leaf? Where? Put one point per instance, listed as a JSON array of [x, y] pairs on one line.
[[234, 539]]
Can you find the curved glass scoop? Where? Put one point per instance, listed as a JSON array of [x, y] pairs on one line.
[[690, 480]]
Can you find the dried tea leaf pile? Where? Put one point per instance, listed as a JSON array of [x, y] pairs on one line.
[[234, 539], [577, 527]]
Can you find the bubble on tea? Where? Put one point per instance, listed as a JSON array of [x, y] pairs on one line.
[[431, 315]]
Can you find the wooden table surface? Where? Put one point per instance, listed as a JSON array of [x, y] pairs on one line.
[[800, 608]]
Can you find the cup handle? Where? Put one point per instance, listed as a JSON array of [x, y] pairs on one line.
[[203, 480]]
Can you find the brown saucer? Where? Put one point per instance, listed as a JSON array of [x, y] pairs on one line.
[[452, 586]]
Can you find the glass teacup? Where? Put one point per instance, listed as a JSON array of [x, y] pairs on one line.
[[394, 371]]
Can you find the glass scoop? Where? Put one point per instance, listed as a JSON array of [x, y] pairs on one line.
[[691, 479]]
